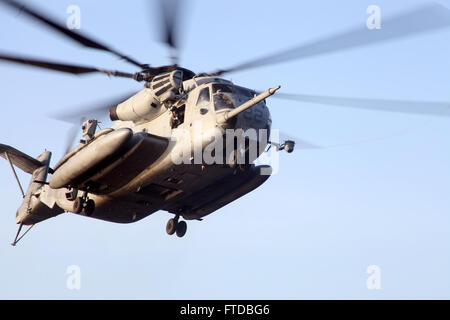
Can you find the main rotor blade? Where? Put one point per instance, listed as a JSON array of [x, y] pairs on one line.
[[97, 110], [420, 20], [401, 106], [82, 39], [169, 12], [62, 67]]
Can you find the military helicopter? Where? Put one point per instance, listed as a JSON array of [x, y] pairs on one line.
[[127, 172]]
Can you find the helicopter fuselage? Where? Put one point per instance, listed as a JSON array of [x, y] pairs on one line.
[[136, 168]]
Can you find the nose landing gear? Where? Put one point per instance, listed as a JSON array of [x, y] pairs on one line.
[[175, 226]]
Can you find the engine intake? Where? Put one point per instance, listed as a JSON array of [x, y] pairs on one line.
[[150, 102]]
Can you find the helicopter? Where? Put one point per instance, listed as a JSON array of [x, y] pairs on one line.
[[187, 143]]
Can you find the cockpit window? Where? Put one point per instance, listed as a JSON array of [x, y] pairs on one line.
[[244, 92], [220, 87], [230, 96], [223, 96], [223, 101], [203, 97]]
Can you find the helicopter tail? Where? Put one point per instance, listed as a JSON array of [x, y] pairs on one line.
[[32, 210], [19, 159]]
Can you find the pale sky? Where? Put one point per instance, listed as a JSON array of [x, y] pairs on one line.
[[313, 229]]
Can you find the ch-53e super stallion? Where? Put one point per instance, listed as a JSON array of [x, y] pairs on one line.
[[127, 172]]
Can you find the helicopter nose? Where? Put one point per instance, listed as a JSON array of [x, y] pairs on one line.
[[247, 105]]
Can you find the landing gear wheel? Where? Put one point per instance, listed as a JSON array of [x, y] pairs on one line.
[[171, 226], [181, 229], [77, 205], [89, 207]]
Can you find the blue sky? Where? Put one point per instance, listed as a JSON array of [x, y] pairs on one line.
[[313, 229]]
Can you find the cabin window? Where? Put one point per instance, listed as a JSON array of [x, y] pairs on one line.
[[203, 97], [177, 117]]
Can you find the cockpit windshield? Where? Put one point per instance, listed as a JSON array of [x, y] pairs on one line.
[[223, 96], [229, 96]]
